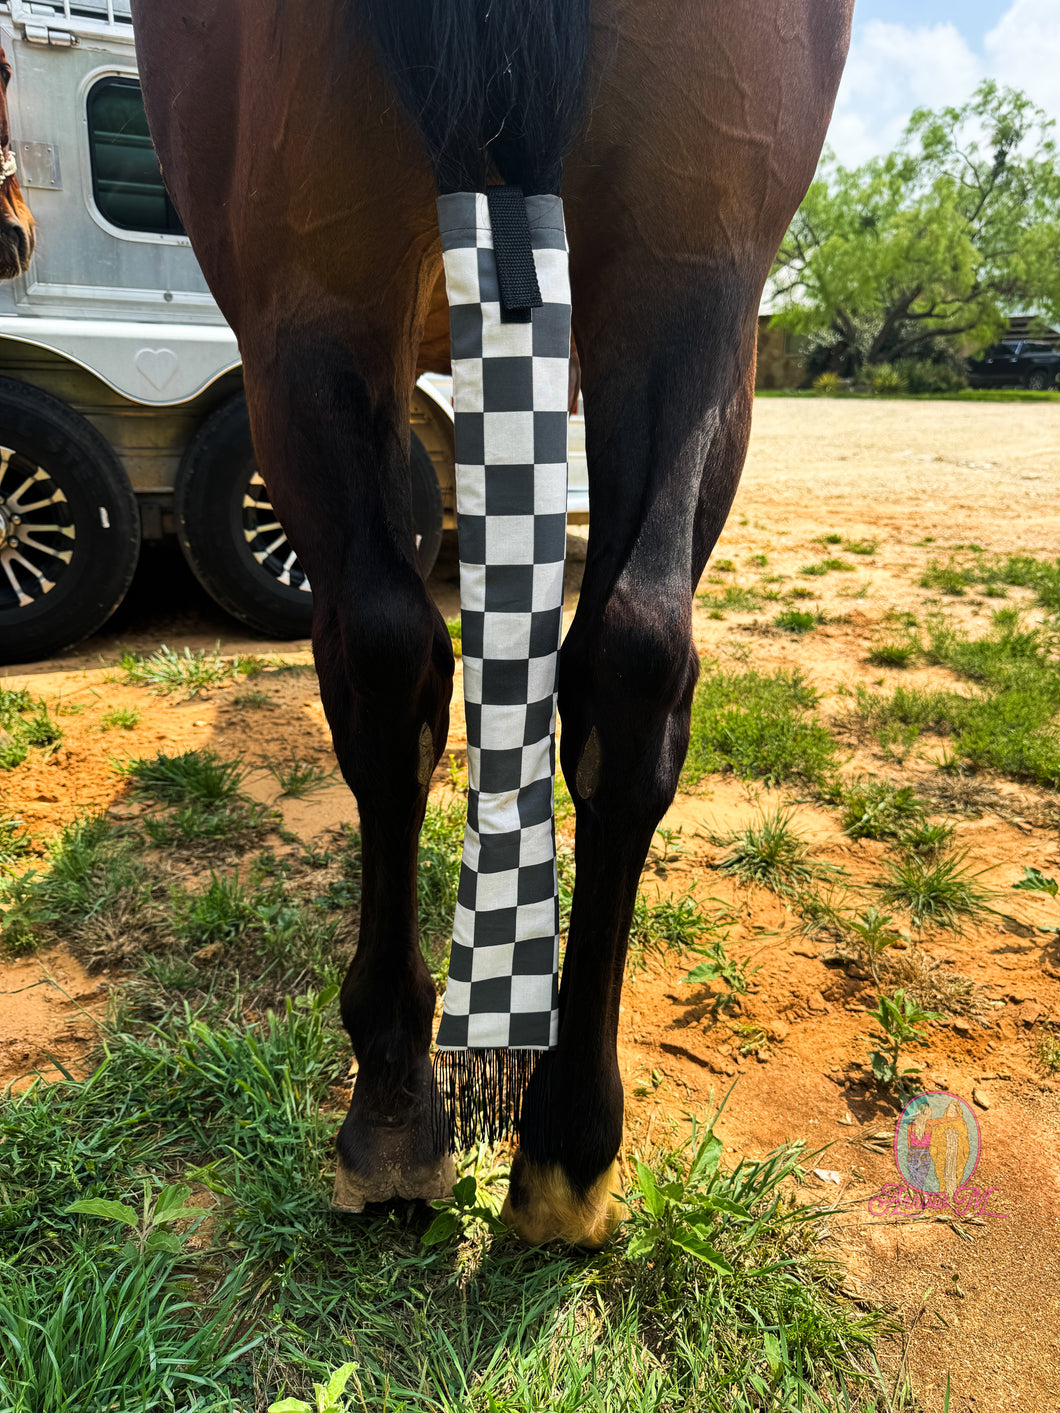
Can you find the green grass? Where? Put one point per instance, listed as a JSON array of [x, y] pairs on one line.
[[669, 925], [771, 854], [25, 724], [167, 672], [759, 727], [938, 892], [120, 719], [93, 873], [713, 1297], [440, 848], [195, 777], [1007, 722], [892, 652], [860, 546], [734, 597], [297, 779], [878, 809], [453, 627], [15, 841], [826, 566], [252, 698], [796, 620]]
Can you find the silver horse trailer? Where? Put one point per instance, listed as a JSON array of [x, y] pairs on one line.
[[122, 416]]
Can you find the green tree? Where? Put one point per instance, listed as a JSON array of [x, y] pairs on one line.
[[932, 245]]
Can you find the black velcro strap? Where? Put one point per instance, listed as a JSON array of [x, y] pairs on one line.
[[516, 274]]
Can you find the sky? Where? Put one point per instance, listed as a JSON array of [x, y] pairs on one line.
[[908, 54]]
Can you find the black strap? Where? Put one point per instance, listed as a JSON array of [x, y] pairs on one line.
[[516, 274]]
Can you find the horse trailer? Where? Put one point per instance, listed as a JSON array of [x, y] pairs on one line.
[[122, 415]]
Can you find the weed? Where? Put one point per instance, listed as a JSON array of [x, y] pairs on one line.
[[455, 637], [735, 598], [899, 1019], [15, 842], [253, 698], [196, 777], [167, 671], [928, 839], [1034, 881], [771, 854], [757, 726], [120, 719], [669, 924], [21, 732], [874, 935], [719, 966], [794, 620], [90, 870], [938, 893], [829, 539], [878, 809], [947, 578], [800, 592], [326, 1397], [723, 566], [826, 566], [855, 591], [1047, 1051], [892, 652], [757, 561], [673, 849], [860, 546], [297, 779]]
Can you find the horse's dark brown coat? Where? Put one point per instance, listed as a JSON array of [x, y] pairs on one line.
[[311, 208]]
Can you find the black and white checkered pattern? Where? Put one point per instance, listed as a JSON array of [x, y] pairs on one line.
[[510, 383]]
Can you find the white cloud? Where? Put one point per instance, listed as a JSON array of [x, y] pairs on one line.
[[894, 68], [1023, 49]]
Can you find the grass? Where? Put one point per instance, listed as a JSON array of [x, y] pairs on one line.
[[25, 724], [713, 1297], [892, 652], [92, 872], [167, 672], [15, 841], [771, 854], [253, 698], [758, 726], [297, 779], [195, 777], [935, 892], [734, 597], [120, 719], [1007, 722], [453, 627], [826, 566], [669, 925], [796, 620], [860, 546], [440, 848], [879, 809]]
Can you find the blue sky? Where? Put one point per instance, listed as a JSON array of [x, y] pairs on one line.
[[925, 53]]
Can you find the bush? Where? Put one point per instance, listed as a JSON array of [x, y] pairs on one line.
[[827, 383], [884, 378], [923, 376]]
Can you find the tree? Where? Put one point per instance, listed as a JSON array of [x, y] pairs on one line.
[[932, 245]]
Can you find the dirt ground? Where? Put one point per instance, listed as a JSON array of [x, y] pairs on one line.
[[979, 1299]]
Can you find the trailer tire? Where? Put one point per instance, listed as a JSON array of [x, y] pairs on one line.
[[223, 513], [69, 526]]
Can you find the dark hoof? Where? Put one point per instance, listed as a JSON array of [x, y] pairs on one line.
[[542, 1206], [352, 1191]]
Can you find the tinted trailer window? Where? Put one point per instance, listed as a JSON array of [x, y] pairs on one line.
[[126, 178]]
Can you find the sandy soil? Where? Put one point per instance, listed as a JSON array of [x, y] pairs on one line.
[[979, 1300]]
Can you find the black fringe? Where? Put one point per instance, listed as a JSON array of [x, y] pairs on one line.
[[480, 1094]]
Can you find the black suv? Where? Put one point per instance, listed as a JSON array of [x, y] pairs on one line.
[[1016, 363]]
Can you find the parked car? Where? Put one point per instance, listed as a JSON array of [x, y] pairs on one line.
[[122, 415], [1016, 363]]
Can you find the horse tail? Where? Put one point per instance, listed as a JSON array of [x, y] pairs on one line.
[[488, 82]]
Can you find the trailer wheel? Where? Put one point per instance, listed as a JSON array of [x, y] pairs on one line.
[[69, 526], [233, 542]]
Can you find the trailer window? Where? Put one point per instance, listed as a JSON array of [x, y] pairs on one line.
[[126, 178]]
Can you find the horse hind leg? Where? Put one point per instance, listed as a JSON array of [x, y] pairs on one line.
[[627, 675], [340, 485]]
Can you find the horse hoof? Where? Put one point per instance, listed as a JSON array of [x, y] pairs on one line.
[[542, 1206], [353, 1191]]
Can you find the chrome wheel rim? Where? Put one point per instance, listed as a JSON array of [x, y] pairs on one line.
[[37, 533], [266, 539]]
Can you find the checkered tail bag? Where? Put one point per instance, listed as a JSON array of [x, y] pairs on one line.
[[509, 311]]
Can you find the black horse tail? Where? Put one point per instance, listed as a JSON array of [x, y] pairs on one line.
[[498, 83]]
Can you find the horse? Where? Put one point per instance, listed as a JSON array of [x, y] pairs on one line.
[[304, 147], [17, 233]]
